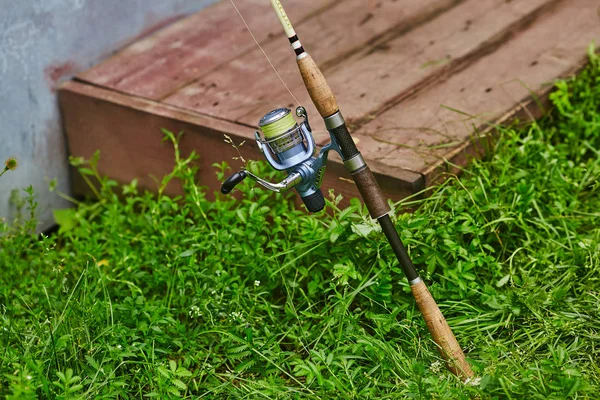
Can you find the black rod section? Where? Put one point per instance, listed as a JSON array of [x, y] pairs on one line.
[[394, 239], [345, 141]]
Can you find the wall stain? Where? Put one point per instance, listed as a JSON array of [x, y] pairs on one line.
[[54, 73]]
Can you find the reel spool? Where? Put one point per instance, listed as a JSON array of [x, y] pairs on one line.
[[275, 122], [289, 146], [285, 144]]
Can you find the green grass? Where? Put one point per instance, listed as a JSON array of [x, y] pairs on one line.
[[145, 295]]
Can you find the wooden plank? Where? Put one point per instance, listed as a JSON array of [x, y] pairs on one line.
[[478, 143], [389, 69], [160, 63], [418, 134], [127, 131], [248, 84], [434, 51]]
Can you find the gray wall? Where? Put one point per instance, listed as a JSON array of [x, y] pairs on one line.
[[41, 43]]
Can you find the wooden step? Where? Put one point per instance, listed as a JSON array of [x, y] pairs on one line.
[[420, 134], [416, 79]]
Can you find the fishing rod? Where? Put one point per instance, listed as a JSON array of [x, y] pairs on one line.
[[289, 146]]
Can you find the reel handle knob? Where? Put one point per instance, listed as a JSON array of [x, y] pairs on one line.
[[232, 181]]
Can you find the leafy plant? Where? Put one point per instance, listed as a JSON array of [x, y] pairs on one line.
[[202, 295]]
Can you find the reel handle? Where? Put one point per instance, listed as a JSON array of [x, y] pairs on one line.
[[232, 181]]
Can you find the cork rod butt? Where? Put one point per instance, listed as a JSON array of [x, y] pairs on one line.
[[317, 86], [441, 332]]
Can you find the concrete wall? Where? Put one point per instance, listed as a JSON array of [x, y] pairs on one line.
[[42, 42]]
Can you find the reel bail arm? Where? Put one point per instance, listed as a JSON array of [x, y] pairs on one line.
[[292, 180]]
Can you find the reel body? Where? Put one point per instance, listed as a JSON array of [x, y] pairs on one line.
[[289, 146]]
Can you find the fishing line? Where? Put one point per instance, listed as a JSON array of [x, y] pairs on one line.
[[265, 54]]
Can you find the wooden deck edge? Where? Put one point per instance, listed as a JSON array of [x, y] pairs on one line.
[[85, 88], [127, 131], [528, 110]]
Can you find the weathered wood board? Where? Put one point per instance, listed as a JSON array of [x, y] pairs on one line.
[[418, 81]]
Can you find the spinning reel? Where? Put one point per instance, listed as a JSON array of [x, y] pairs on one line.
[[289, 146]]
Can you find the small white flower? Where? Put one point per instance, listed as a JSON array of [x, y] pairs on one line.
[[28, 377], [436, 367], [473, 381], [119, 346], [237, 316], [256, 283], [195, 312]]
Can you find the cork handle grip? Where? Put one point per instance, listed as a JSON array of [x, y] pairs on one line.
[[317, 86], [441, 332]]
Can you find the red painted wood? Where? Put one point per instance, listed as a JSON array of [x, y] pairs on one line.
[[127, 131], [421, 132], [392, 65], [245, 88], [188, 49]]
